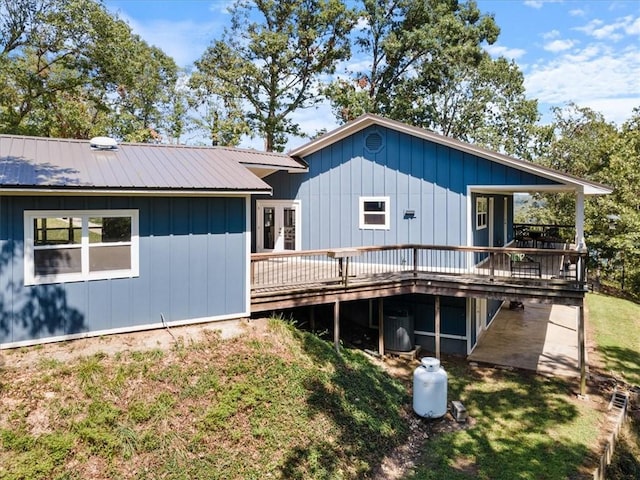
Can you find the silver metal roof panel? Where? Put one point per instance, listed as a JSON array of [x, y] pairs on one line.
[[34, 162]]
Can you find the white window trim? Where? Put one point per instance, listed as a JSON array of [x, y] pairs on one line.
[[482, 216], [29, 268], [386, 213]]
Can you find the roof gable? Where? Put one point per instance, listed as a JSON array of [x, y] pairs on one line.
[[367, 120]]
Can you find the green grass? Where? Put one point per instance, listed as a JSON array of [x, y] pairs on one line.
[[283, 405], [525, 427], [615, 323], [616, 326]]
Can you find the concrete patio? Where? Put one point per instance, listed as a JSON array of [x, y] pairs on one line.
[[540, 337]]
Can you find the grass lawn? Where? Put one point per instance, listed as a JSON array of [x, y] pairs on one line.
[[615, 324], [525, 427], [280, 404]]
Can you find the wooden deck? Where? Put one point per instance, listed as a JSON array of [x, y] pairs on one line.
[[299, 278]]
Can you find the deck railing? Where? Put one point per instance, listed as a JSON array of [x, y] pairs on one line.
[[348, 265]]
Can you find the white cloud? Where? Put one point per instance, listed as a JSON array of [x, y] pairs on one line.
[[551, 35], [584, 55], [617, 110], [614, 31], [538, 4], [603, 79], [221, 6], [633, 28], [559, 45], [502, 51], [577, 12]]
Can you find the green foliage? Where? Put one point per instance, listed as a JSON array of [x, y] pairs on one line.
[[586, 145], [271, 58], [34, 457], [526, 428], [428, 68], [70, 69]]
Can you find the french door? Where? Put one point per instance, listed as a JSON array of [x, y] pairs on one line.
[[277, 225]]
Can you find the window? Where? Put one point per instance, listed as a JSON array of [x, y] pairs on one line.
[[69, 246], [374, 213], [481, 212]]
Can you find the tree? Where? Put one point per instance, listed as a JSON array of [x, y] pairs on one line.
[[408, 44], [483, 104], [221, 117], [68, 68], [586, 145], [269, 61]]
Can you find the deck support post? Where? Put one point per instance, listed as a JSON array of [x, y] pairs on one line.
[[582, 364], [312, 318], [437, 322], [579, 240], [336, 325], [381, 327]]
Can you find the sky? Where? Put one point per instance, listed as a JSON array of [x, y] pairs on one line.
[[581, 51]]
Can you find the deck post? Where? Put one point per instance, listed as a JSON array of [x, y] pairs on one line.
[[336, 325], [415, 262], [581, 352], [579, 240], [312, 318], [437, 322], [381, 326]]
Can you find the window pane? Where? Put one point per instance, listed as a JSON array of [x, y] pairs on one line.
[[109, 229], [269, 239], [374, 207], [289, 228], [374, 218], [57, 261], [117, 257], [57, 231]]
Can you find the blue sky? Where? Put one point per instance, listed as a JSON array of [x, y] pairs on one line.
[[585, 51]]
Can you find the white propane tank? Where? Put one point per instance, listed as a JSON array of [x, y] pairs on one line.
[[430, 389]]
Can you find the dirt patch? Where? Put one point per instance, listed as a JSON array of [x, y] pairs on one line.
[[162, 339]]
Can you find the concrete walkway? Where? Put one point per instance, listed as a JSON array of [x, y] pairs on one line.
[[543, 338]]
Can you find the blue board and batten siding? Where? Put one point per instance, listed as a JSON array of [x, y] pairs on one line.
[[417, 174], [193, 266]]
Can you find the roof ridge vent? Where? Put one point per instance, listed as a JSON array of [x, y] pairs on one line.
[[103, 143]]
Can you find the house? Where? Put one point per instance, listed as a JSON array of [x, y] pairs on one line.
[[99, 238], [378, 182], [376, 216]]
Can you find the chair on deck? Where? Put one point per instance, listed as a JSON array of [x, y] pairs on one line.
[[550, 237], [522, 236]]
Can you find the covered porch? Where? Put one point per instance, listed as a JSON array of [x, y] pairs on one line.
[[539, 337]]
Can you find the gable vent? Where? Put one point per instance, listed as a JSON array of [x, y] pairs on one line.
[[373, 142]]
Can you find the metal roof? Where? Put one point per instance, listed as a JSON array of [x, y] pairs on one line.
[[366, 120], [34, 163]]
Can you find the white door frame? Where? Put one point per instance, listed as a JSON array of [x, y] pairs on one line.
[[279, 206]]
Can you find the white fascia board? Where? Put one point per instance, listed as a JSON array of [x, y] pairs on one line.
[[130, 193]]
